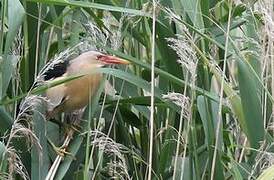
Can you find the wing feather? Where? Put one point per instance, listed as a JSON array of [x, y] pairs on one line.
[[56, 95], [56, 71]]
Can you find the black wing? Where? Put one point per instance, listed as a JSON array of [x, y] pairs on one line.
[[56, 71]]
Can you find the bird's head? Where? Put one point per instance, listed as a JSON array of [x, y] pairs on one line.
[[103, 59]]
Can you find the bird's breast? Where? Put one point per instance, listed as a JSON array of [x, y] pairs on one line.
[[80, 90]]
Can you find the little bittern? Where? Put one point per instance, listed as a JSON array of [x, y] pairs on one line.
[[74, 94]]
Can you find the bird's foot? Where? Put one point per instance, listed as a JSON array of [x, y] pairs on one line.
[[60, 151]]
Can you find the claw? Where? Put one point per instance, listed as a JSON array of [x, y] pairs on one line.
[[61, 151]]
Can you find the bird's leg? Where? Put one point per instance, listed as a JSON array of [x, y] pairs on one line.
[[69, 130], [73, 119], [68, 127]]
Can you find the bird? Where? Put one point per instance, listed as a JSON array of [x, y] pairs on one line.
[[75, 94]]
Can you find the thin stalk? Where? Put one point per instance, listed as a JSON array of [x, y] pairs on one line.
[[3, 10], [37, 40], [221, 95], [97, 127], [26, 52], [152, 90], [48, 46], [185, 146], [266, 72], [243, 150], [193, 136], [191, 130], [205, 170], [179, 134], [271, 53], [88, 141]]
